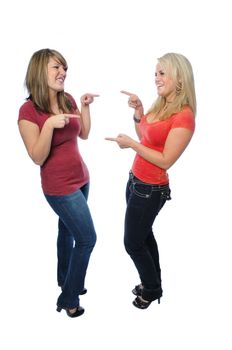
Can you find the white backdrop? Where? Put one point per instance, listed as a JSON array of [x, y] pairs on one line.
[[109, 46]]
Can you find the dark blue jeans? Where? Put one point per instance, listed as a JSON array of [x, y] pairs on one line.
[[144, 201], [75, 242]]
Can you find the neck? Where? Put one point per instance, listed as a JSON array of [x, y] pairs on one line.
[[53, 101]]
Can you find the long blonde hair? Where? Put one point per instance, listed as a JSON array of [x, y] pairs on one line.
[[182, 74], [36, 81]]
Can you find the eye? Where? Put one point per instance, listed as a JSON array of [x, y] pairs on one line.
[[160, 73], [57, 67]]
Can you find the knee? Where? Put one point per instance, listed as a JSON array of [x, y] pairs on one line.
[[92, 241], [129, 246], [86, 243]]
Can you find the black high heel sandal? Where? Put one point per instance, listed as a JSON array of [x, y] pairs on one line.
[[79, 311], [143, 304]]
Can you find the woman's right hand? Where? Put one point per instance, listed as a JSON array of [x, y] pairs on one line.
[[59, 121], [133, 101]]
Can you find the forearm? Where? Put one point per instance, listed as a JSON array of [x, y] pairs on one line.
[[85, 122], [137, 118], [41, 149], [155, 157]]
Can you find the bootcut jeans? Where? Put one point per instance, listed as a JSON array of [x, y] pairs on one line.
[[75, 242], [144, 201]]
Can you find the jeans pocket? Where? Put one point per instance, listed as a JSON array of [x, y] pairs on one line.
[[165, 195], [140, 190]]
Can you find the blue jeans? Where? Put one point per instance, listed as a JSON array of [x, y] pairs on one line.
[[144, 201], [75, 242]]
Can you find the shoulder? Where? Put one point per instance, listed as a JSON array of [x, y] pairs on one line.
[[184, 119], [28, 112], [27, 105]]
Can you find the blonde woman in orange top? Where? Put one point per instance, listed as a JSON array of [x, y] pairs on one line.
[[164, 132]]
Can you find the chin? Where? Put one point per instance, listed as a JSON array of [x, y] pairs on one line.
[[160, 93]]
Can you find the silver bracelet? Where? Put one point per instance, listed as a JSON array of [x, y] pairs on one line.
[[136, 120]]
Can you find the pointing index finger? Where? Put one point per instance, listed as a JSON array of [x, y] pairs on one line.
[[126, 93], [93, 95], [72, 116], [111, 138]]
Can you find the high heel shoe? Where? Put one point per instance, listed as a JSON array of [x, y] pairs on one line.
[[143, 304], [79, 311]]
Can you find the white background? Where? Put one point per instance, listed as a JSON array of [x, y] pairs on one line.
[[109, 46]]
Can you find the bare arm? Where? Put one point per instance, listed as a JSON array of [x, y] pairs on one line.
[[176, 142], [138, 115], [85, 121], [85, 118], [38, 143], [135, 102]]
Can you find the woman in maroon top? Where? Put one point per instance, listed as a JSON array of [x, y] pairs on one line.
[[49, 123]]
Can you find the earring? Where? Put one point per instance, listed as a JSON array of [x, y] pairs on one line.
[[178, 88]]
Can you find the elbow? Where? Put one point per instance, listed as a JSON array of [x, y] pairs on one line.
[[165, 164], [84, 136], [166, 167], [36, 160], [37, 156]]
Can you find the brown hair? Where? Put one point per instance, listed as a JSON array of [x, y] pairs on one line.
[[37, 84]]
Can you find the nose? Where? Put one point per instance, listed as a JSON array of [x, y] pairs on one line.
[[62, 70], [158, 78]]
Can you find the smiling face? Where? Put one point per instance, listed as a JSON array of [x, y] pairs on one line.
[[56, 74], [166, 86]]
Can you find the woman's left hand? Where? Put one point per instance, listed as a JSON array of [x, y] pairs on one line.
[[122, 140], [87, 99]]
